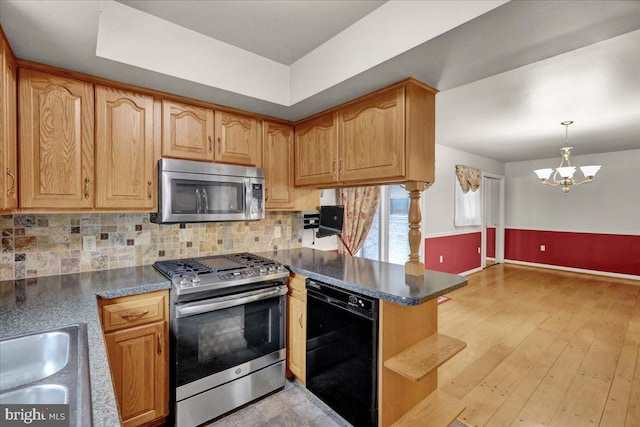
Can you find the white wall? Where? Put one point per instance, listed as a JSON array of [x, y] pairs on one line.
[[610, 204], [437, 201]]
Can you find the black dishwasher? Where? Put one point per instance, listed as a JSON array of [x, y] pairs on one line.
[[342, 351]]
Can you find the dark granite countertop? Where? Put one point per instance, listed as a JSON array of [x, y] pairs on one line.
[[31, 305], [36, 304], [376, 279]]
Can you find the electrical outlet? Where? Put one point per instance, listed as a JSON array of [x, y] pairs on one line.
[[542, 248], [277, 232], [89, 243], [441, 259]]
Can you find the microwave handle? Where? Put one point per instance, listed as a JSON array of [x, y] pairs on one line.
[[247, 198], [205, 201], [198, 207]]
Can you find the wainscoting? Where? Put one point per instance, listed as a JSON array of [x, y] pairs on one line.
[[611, 253], [459, 252]]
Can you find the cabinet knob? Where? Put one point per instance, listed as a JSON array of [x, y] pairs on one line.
[[210, 144], [11, 189], [149, 190], [86, 187], [219, 145], [340, 166], [159, 343], [300, 320], [333, 167]]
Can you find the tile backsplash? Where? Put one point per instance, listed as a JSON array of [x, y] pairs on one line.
[[51, 244]]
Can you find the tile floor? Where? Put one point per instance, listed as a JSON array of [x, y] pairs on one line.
[[292, 407]]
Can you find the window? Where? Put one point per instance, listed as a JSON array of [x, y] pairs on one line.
[[388, 238]]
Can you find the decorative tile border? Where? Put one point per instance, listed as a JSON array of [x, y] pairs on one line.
[[45, 245]]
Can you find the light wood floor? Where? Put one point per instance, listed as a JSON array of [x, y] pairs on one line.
[[544, 347]]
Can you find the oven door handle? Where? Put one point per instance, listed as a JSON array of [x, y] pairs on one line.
[[191, 309]]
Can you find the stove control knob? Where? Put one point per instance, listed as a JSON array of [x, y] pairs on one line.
[[262, 270], [271, 268], [195, 279], [280, 267], [183, 280]]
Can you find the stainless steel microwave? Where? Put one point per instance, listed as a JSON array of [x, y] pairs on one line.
[[191, 191]]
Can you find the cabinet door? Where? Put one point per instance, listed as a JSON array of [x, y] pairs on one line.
[[124, 150], [237, 139], [139, 368], [56, 141], [316, 151], [278, 165], [8, 124], [187, 131], [371, 138], [297, 338]]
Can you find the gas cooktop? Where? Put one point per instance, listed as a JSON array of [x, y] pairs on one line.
[[220, 271]]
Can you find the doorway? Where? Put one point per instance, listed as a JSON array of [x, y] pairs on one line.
[[492, 220]]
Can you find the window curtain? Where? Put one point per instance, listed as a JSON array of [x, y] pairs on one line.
[[468, 201], [360, 205]]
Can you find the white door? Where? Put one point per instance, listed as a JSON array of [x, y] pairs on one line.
[[492, 220]]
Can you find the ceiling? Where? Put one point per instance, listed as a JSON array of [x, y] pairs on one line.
[[508, 73]]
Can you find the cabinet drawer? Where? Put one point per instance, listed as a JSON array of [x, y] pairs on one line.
[[297, 287], [135, 310]]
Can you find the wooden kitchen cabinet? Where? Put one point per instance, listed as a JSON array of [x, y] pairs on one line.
[[238, 139], [8, 123], [187, 131], [56, 142], [371, 135], [136, 336], [316, 150], [278, 165], [382, 138], [277, 152], [297, 327], [125, 149]]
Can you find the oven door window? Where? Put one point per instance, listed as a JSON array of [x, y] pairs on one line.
[[202, 197], [212, 342]]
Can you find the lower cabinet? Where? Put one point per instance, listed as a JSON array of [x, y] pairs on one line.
[[297, 328], [136, 336]]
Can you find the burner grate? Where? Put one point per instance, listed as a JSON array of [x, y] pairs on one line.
[[177, 268]]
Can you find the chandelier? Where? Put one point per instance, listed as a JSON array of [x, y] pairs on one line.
[[564, 174]]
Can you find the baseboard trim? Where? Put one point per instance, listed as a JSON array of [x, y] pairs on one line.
[[468, 272], [574, 270]]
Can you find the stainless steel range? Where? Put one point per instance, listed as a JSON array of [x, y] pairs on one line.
[[228, 319]]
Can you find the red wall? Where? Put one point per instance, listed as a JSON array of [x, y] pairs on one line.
[[613, 253], [459, 252], [491, 242]]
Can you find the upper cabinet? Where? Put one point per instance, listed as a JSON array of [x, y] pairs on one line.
[[237, 139], [316, 150], [371, 135], [384, 137], [280, 194], [278, 164], [8, 123], [56, 142], [187, 131], [125, 141]]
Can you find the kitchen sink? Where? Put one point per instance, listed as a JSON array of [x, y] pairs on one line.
[[31, 358], [48, 394], [46, 368]]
